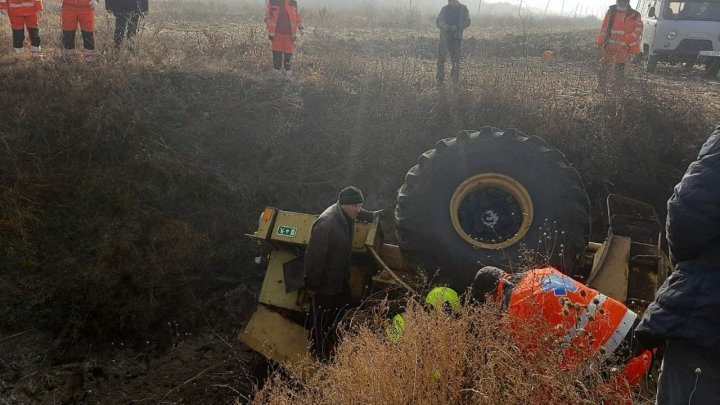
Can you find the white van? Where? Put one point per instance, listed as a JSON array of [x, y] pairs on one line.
[[681, 31]]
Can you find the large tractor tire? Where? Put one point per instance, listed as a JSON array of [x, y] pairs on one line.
[[491, 198]]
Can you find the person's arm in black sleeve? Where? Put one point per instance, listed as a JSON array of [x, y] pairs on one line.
[[440, 20], [693, 220], [316, 255], [465, 20]]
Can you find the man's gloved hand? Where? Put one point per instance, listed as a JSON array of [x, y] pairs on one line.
[[93, 4], [3, 12], [271, 37], [301, 31], [40, 13]]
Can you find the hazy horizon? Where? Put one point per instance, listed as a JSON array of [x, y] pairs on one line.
[[567, 7]]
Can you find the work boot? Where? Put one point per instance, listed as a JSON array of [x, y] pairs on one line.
[[70, 54], [36, 52], [278, 74], [18, 51], [288, 75], [89, 55]]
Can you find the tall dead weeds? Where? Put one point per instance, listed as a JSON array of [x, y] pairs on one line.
[[468, 358]]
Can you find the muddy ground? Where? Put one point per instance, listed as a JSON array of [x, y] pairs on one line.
[[204, 364]]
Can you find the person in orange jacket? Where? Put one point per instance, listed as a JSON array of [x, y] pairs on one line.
[[24, 14], [619, 38], [78, 13], [547, 303], [283, 22]]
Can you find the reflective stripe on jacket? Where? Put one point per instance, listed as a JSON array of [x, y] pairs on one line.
[[21, 7], [624, 36], [587, 320], [272, 13]]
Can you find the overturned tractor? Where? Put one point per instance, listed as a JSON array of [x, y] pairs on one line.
[[481, 198]]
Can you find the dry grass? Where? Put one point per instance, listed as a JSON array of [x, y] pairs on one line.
[[128, 185], [470, 358]]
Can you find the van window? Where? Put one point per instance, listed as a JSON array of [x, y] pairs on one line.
[[692, 10]]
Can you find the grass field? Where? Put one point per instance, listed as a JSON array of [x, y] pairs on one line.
[[128, 184]]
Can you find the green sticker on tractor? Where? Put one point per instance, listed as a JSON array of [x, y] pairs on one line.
[[287, 231]]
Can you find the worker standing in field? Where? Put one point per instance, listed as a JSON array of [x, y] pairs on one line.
[[283, 23], [127, 16], [327, 272], [548, 303], [453, 19], [686, 310], [74, 14], [24, 14], [619, 39]]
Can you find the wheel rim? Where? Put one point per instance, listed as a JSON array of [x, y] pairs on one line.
[[491, 211]]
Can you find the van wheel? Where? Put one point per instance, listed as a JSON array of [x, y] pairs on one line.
[[491, 198], [712, 67], [651, 63]]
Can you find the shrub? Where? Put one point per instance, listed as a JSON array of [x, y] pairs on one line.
[[470, 358]]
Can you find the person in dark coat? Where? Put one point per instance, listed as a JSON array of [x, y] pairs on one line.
[[453, 19], [327, 272], [686, 309], [127, 16]]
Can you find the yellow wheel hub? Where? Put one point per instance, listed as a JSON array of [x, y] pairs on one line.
[[491, 211]]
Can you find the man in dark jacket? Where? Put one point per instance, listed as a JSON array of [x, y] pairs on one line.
[[326, 266], [686, 310], [452, 21], [127, 15]]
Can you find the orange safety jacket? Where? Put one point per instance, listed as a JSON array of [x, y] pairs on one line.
[[623, 38], [550, 304], [21, 7], [272, 13], [76, 3]]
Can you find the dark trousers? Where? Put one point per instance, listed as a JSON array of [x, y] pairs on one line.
[[69, 40], [282, 59], [449, 46], [18, 37], [326, 313], [126, 25], [688, 375], [618, 76]]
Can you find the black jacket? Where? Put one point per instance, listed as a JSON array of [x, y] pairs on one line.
[[687, 305], [453, 15], [328, 252], [124, 6]]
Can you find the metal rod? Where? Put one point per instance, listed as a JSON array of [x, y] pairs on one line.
[[17, 334], [385, 267]]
